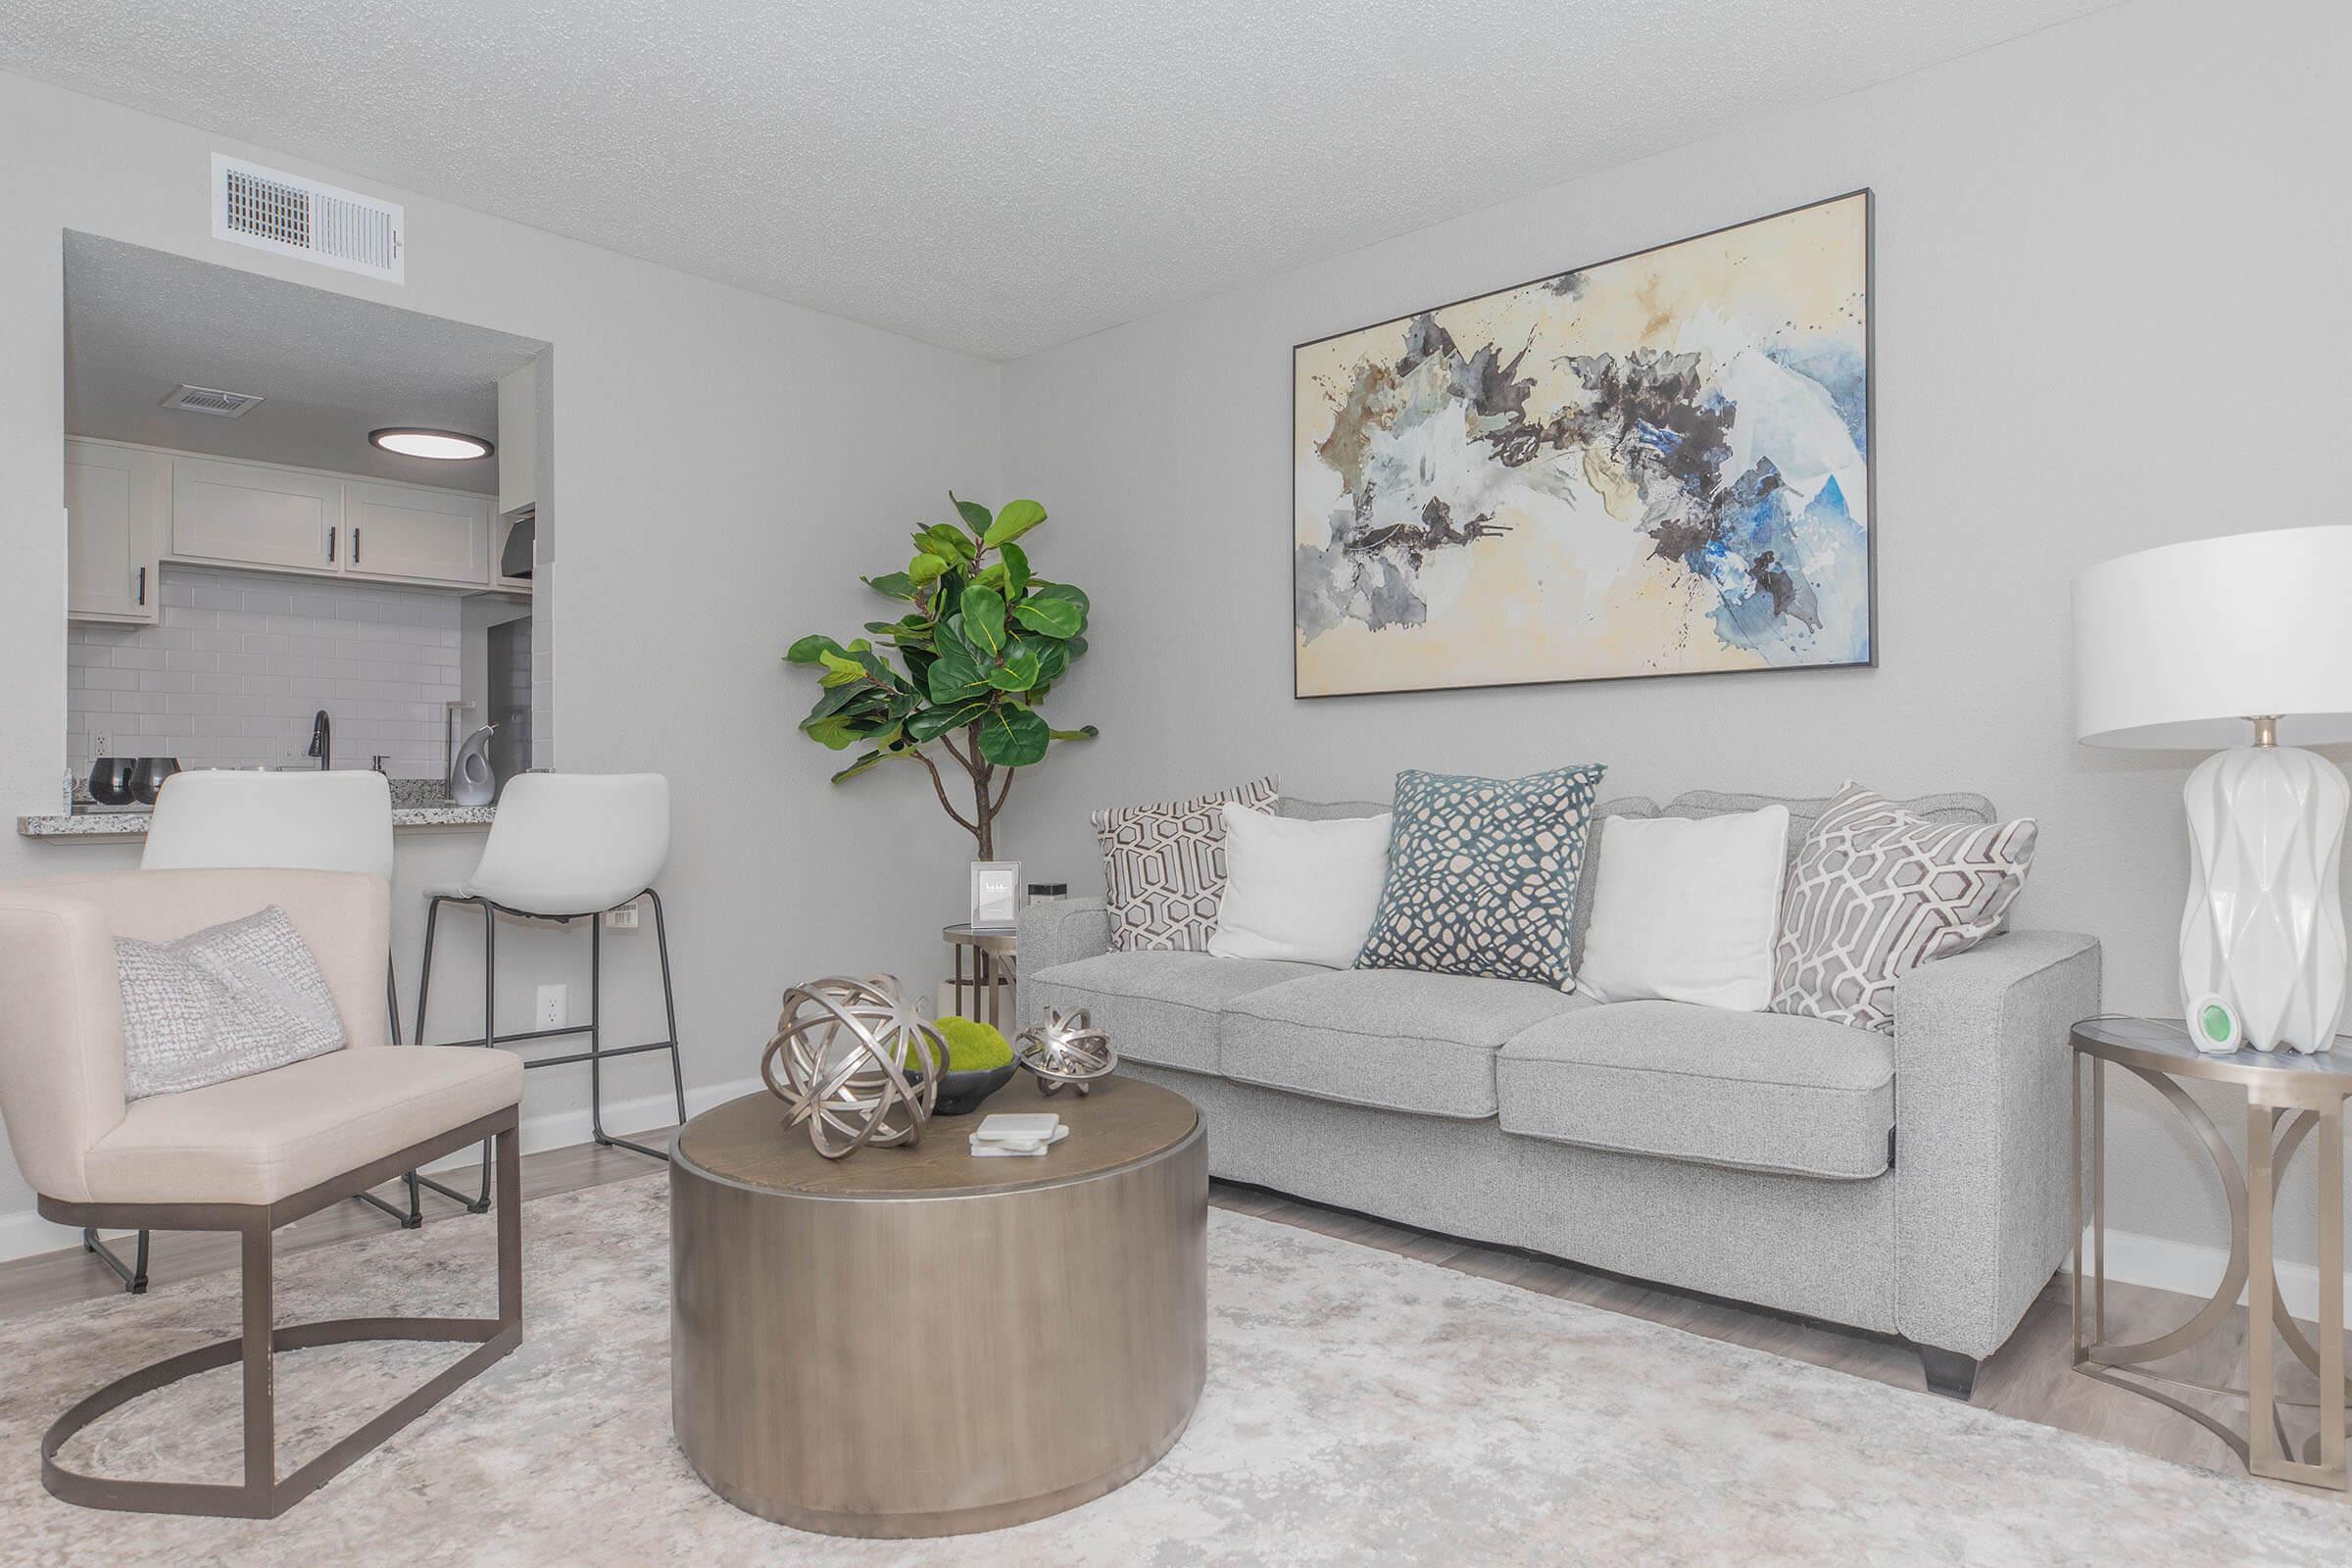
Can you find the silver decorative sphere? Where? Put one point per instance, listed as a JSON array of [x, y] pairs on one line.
[[1065, 1048], [854, 1060]]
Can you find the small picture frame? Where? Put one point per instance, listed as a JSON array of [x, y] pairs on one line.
[[996, 895]]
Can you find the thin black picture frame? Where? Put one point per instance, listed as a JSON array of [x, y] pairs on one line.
[[1870, 418]]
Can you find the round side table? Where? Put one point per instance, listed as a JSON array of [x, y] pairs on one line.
[[994, 972], [2290, 1100], [918, 1342]]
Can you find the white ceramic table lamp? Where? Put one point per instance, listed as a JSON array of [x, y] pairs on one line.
[[2245, 643]]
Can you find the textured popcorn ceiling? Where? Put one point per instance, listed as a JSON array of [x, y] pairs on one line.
[[997, 175]]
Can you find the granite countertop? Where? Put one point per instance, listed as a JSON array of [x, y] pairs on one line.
[[418, 804]]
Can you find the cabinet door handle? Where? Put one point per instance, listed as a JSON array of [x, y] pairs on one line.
[[355, 544], [330, 544], [142, 587]]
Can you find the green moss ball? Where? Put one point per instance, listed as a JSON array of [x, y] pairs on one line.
[[974, 1047]]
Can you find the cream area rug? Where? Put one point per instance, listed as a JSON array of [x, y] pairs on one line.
[[1361, 1408]]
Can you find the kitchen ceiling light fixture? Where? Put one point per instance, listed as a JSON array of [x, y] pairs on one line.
[[446, 446]]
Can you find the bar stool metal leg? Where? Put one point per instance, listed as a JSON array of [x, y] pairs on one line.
[[411, 1216], [595, 1055], [479, 1202]]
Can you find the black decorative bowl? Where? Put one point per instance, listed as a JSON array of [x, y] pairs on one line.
[[960, 1093], [111, 779], [147, 781]]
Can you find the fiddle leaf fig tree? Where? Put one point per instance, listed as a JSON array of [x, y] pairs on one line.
[[978, 643]]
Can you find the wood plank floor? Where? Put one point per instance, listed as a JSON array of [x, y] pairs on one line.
[[2029, 1378]]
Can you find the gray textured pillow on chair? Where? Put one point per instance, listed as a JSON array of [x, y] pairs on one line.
[[232, 1000]]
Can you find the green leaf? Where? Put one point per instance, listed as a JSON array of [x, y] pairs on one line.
[[893, 584], [984, 619], [1015, 563], [807, 650], [833, 731], [834, 699], [933, 722], [840, 669], [924, 568], [953, 678], [1013, 736], [871, 663], [975, 515], [1049, 618], [1017, 519], [947, 541], [1084, 732], [1053, 663], [859, 765], [1018, 671], [1063, 590], [1075, 646]]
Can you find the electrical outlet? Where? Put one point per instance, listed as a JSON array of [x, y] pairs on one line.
[[622, 919], [553, 1008], [105, 746]]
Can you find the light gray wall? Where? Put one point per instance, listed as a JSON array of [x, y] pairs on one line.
[[726, 464], [2110, 314]]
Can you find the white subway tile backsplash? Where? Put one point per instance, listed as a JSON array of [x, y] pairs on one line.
[[241, 660]]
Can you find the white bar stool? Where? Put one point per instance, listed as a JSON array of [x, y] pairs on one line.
[[215, 819], [568, 847]]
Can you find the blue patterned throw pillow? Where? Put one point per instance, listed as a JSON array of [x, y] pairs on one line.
[[1482, 875]]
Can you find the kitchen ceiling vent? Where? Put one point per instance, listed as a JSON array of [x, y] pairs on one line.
[[210, 399], [273, 211]]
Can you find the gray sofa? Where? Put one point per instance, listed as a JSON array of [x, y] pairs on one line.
[[1914, 1186]]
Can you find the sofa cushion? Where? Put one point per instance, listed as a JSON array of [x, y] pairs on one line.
[[1160, 1007], [1759, 1090], [1400, 1039]]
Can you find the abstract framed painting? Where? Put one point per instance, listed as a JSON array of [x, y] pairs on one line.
[[1653, 466]]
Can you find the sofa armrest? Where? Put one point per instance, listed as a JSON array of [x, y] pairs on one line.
[[1062, 931], [1982, 1196]]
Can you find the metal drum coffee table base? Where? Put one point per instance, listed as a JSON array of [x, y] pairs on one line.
[[916, 1343]]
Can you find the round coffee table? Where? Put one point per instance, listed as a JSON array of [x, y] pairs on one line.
[[915, 1342]]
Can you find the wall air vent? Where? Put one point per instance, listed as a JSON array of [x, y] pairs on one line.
[[292, 216], [210, 399]]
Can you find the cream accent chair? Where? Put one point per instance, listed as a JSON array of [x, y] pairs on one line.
[[248, 1155]]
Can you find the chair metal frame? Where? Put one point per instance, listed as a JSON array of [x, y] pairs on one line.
[[596, 1056], [264, 1493]]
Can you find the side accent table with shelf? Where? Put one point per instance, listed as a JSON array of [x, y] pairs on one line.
[[2289, 1098], [990, 958]]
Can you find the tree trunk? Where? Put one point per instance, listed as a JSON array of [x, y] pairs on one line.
[[984, 809]]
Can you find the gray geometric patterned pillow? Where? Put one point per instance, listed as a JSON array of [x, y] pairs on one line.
[[1482, 875], [1876, 891], [1163, 868], [234, 999]]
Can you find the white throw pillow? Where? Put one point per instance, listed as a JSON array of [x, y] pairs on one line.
[[1303, 891], [1687, 911]]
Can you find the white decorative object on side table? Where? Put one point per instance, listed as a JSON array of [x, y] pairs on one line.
[[2238, 642]]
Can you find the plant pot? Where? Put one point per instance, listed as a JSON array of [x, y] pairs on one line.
[[960, 1093]]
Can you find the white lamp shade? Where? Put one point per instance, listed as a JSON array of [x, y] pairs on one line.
[[2176, 648]]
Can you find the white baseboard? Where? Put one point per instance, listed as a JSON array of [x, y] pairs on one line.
[[24, 1233], [2193, 1270]]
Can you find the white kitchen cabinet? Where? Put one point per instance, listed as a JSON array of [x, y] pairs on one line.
[[254, 515], [118, 503], [414, 534]]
